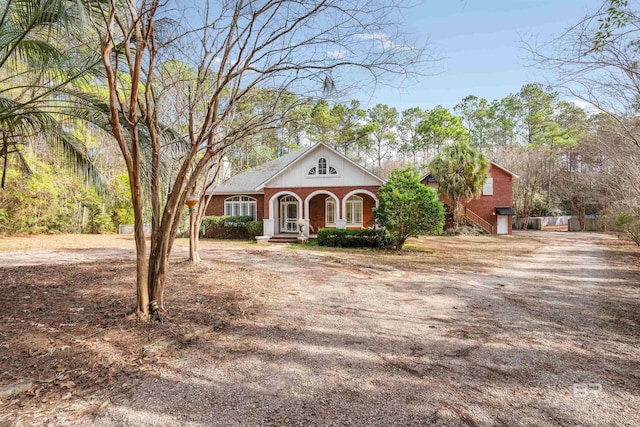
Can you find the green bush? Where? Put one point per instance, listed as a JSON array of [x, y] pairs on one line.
[[335, 237], [228, 227], [102, 224], [254, 228], [237, 221], [226, 221], [407, 208], [5, 220]]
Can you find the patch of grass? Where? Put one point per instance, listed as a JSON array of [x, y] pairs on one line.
[[412, 247]]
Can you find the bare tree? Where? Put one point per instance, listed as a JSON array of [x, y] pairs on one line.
[[596, 60], [237, 46]]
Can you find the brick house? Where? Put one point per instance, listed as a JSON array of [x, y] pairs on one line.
[[315, 187], [493, 209]]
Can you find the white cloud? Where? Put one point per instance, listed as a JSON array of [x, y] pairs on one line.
[[372, 36], [336, 54], [588, 107], [391, 45], [385, 41]]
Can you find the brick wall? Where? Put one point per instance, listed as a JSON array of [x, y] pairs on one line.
[[216, 205], [317, 211], [316, 204], [485, 206], [303, 193]]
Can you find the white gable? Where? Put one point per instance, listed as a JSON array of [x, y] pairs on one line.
[[346, 173]]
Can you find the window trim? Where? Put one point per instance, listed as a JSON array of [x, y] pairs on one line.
[[327, 202], [234, 206], [322, 168], [351, 203], [487, 187]]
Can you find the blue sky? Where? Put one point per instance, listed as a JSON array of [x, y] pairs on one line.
[[480, 43]]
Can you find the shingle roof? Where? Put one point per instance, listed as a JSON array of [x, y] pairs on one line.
[[430, 178], [249, 180]]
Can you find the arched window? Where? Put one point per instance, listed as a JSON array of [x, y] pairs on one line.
[[240, 206], [330, 212], [288, 199], [354, 211], [322, 166]]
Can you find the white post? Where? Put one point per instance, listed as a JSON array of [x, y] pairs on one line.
[[268, 227]]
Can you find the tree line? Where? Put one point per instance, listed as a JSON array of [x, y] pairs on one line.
[[567, 157], [118, 111]]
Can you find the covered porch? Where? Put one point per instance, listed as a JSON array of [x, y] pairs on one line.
[[295, 213]]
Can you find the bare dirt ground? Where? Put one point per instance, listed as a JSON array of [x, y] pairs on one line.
[[536, 329]]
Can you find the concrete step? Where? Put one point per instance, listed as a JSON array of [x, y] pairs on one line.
[[283, 240]]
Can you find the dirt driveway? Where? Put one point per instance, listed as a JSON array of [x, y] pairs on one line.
[[538, 329]]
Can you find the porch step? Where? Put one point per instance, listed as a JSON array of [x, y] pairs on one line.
[[282, 239]]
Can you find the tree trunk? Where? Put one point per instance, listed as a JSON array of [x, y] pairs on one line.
[[161, 247], [142, 309], [455, 212], [194, 257], [158, 258]]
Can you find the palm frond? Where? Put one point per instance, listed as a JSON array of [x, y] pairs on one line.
[[31, 122]]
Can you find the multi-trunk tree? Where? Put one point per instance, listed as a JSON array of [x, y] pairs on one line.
[[236, 47]]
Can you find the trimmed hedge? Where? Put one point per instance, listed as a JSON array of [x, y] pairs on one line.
[[227, 227], [254, 228], [335, 237], [226, 221]]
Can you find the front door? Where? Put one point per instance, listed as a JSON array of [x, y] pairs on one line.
[[503, 224], [289, 215]]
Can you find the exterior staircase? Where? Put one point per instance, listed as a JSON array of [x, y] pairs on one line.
[[477, 220], [284, 238], [472, 217]]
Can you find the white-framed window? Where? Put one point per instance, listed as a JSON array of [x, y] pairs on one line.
[[330, 212], [240, 206], [354, 211], [487, 188], [322, 168]]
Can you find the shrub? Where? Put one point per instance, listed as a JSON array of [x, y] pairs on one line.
[[236, 221], [335, 237], [5, 220], [408, 208], [227, 227], [254, 228], [102, 224]]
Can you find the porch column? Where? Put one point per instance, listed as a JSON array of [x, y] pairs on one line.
[[268, 227], [305, 216]]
